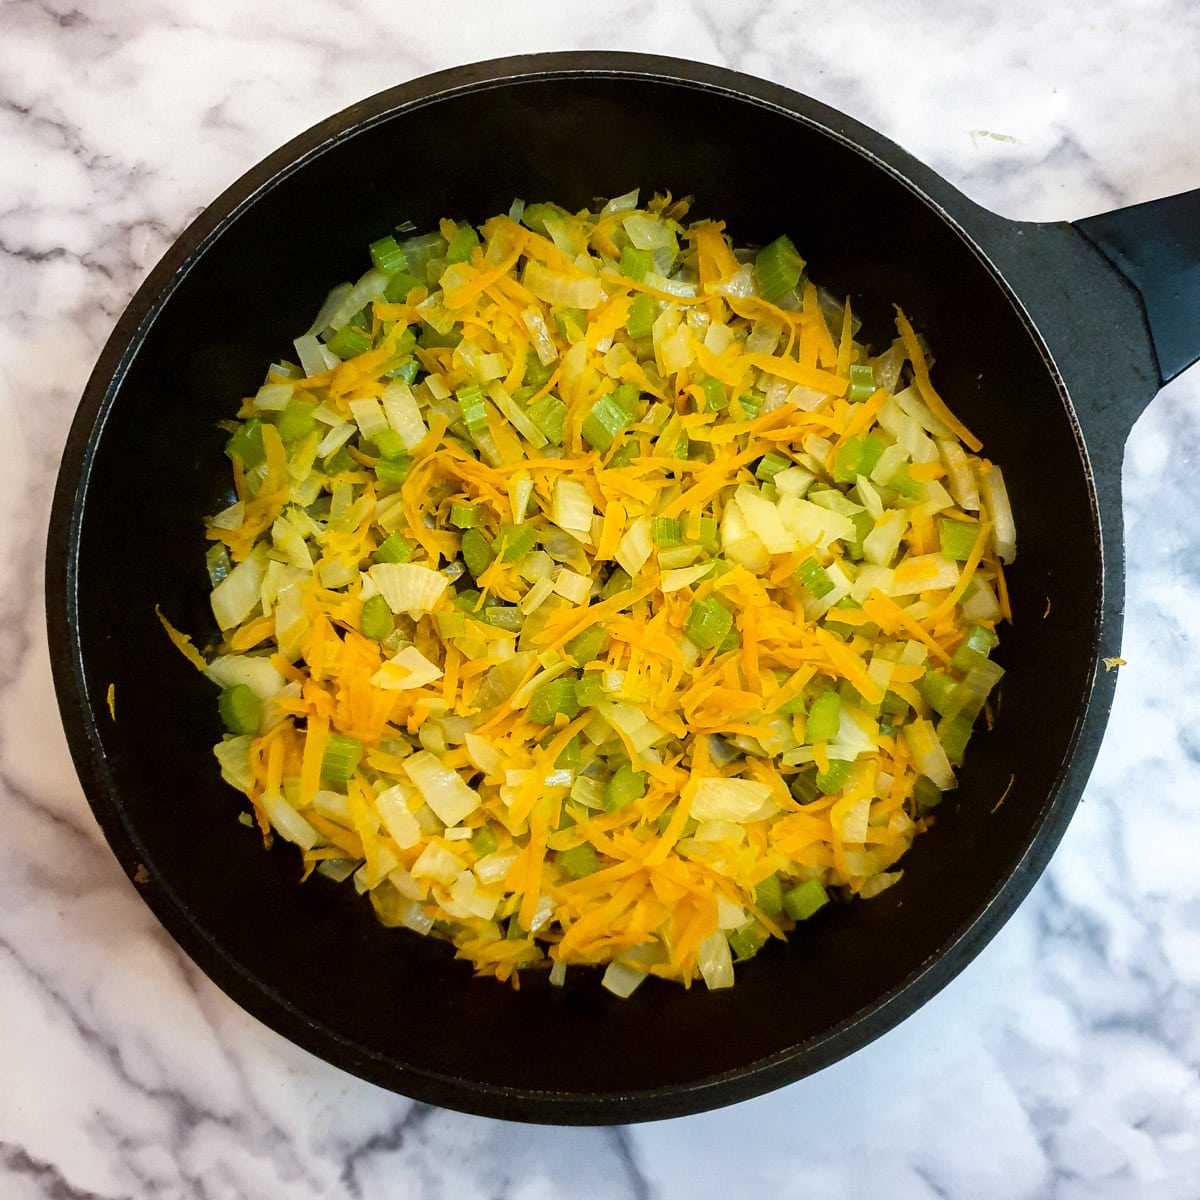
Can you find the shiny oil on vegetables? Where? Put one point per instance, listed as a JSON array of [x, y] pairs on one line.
[[592, 596]]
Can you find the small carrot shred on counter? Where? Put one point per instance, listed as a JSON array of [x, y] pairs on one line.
[[592, 596]]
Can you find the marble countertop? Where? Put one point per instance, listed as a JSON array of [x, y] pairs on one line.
[[1063, 1062]]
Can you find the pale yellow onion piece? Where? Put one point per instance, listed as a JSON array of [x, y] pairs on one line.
[[409, 587], [718, 799], [443, 789]]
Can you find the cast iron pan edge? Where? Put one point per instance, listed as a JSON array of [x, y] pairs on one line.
[[995, 239]]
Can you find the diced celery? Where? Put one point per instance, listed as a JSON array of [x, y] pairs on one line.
[[708, 623], [824, 716], [643, 312], [777, 268], [548, 414], [341, 757], [387, 255], [393, 549], [246, 444], [625, 786], [957, 538], [578, 861], [376, 619], [240, 708], [552, 698], [476, 553], [806, 898]]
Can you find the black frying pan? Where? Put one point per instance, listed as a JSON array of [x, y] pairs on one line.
[[1050, 339]]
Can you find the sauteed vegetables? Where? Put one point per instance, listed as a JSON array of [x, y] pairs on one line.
[[593, 596]]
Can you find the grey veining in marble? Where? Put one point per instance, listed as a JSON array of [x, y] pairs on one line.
[[1062, 1063]]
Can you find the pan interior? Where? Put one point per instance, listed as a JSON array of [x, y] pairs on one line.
[[311, 960]]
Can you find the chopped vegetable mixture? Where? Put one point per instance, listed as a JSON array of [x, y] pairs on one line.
[[593, 596]]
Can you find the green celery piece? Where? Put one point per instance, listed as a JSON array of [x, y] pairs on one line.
[[239, 707], [476, 553], [536, 371], [636, 264], [770, 465], [710, 535], [625, 454], [517, 540], [467, 600], [399, 286], [778, 267], [974, 648], [708, 623], [578, 861], [407, 371], [341, 757], [348, 342], [643, 312], [483, 841], [392, 472], [465, 240], [625, 786], [466, 516], [503, 616], [665, 532], [393, 549], [806, 898], [823, 717], [571, 322], [570, 755], [903, 483], [433, 339], [815, 578], [607, 417], [939, 691], [534, 215], [589, 691], [246, 444], [617, 581], [389, 445], [451, 624], [856, 456], [926, 793], [472, 406], [548, 414], [376, 619], [957, 538], [747, 940], [296, 421], [585, 647], [863, 524], [768, 895], [716, 397], [862, 383], [387, 256], [804, 786], [340, 461], [832, 781], [731, 641], [554, 697], [954, 735], [751, 404]]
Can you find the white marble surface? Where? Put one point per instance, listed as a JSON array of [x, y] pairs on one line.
[[1062, 1063]]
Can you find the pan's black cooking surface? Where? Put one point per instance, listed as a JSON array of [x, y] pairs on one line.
[[1051, 389]]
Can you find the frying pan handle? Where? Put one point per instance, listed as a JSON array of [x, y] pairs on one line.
[[1156, 246]]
